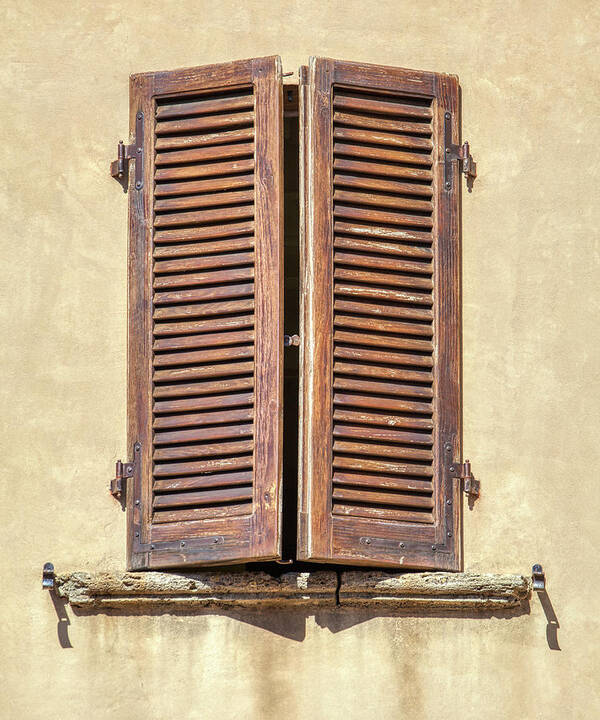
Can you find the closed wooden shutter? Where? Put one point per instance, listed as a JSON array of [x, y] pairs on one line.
[[381, 318], [205, 331]]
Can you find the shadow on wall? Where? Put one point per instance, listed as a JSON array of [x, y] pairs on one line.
[[551, 619], [291, 623]]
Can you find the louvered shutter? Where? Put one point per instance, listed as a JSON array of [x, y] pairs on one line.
[[381, 318], [205, 316]]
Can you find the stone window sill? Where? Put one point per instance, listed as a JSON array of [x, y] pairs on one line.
[[318, 589]]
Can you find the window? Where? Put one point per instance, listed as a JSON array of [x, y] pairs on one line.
[[213, 418]]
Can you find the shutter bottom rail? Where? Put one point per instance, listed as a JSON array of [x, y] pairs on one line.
[[440, 591]]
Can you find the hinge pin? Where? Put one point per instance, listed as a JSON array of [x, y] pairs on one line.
[[463, 472]]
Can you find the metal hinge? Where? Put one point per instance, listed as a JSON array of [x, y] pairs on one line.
[[460, 153], [463, 471], [122, 472], [119, 168]]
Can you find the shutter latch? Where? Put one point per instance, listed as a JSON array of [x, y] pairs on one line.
[[291, 340], [119, 168], [460, 153], [463, 471], [122, 472]]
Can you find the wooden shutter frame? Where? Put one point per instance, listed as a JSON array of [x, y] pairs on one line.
[[226, 540], [351, 540]]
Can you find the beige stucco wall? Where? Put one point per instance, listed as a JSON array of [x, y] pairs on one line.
[[531, 396]]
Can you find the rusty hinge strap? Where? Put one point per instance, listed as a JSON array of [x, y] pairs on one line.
[[124, 471], [462, 471], [459, 153], [135, 151]]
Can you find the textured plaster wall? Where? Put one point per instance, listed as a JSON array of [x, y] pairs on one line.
[[531, 396]]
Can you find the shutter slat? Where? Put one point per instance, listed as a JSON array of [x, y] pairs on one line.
[[201, 466], [382, 263], [381, 138], [204, 388], [226, 307], [205, 200], [392, 326], [382, 498], [377, 371], [202, 513], [365, 103], [206, 497], [203, 233], [181, 452], [381, 356], [203, 262], [381, 387], [383, 248], [380, 403], [380, 481], [379, 184], [203, 404], [193, 373], [387, 216], [209, 122], [383, 341], [378, 513], [382, 232], [204, 340], [380, 123], [196, 482], [342, 414], [224, 214], [197, 171], [216, 152], [200, 294], [205, 248], [229, 182], [162, 422], [216, 138], [385, 294], [379, 200], [205, 107], [380, 450], [204, 278], [379, 168], [201, 434], [384, 466], [380, 153], [382, 310], [204, 356], [383, 434]]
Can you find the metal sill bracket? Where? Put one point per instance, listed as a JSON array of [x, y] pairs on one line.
[[48, 576], [119, 168], [460, 153], [471, 486], [538, 578]]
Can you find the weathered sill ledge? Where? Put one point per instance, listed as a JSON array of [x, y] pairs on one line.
[[222, 589]]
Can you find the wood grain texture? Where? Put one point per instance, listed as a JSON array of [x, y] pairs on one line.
[[381, 339], [205, 377]]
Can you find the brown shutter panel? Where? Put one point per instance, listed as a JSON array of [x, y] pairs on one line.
[[205, 316], [381, 318]]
